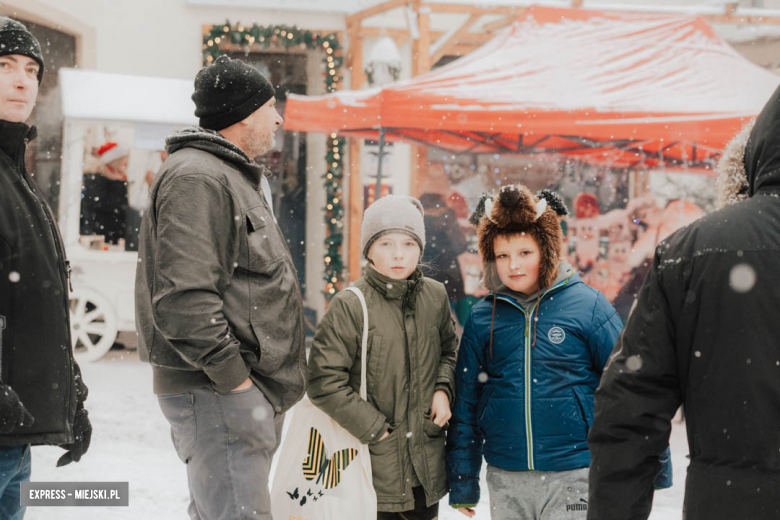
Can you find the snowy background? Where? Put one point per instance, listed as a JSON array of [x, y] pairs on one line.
[[131, 443]]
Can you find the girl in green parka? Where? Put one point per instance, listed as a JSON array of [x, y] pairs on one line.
[[412, 350]]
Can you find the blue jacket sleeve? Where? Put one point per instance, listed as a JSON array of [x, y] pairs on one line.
[[464, 438], [606, 326]]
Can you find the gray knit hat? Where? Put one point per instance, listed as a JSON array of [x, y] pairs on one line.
[[392, 214]]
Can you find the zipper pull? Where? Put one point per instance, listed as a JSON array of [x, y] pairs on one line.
[[527, 326], [68, 270]]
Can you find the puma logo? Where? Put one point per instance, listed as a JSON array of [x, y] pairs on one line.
[[578, 507]]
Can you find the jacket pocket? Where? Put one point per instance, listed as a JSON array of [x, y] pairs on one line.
[[179, 410], [484, 401], [264, 242], [432, 429], [386, 464], [433, 450], [584, 399]]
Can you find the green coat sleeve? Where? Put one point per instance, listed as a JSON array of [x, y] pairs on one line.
[[333, 354], [445, 378]]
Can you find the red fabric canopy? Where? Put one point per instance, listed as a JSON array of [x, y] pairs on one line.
[[617, 88]]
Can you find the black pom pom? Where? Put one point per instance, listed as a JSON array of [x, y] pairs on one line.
[[479, 210], [554, 201]]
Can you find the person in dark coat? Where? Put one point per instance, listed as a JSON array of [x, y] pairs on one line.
[[104, 205], [703, 334], [41, 392], [446, 242]]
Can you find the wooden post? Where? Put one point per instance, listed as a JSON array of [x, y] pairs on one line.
[[421, 63], [443, 47], [355, 207]]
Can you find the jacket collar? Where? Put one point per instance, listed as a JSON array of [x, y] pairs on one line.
[[394, 289], [214, 143], [517, 298], [14, 138], [565, 271]]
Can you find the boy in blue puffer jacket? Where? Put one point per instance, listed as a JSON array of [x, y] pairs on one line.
[[531, 358]]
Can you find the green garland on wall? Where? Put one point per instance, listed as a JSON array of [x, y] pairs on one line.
[[225, 38]]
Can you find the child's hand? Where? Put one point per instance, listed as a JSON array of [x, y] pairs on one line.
[[440, 408], [469, 512]]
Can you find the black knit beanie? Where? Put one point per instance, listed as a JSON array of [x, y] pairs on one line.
[[229, 91], [16, 39]]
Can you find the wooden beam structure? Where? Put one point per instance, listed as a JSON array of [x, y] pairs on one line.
[[389, 5], [355, 184], [499, 24], [446, 46], [469, 9], [420, 65]]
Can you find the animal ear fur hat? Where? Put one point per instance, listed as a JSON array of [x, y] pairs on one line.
[[513, 211]]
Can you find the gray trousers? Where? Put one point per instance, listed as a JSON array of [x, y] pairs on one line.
[[538, 495], [227, 442]]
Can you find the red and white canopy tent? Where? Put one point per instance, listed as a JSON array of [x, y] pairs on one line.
[[623, 89]]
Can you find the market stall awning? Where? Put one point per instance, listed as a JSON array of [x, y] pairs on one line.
[[616, 88]]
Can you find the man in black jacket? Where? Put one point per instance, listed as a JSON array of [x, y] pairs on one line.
[[704, 334], [41, 392]]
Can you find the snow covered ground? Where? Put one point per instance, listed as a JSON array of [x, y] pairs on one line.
[[131, 443]]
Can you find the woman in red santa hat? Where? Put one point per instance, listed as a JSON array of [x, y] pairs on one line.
[[104, 203]]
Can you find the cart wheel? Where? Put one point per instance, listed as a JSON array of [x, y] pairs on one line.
[[92, 325]]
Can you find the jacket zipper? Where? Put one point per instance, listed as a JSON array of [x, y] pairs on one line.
[[528, 373], [2, 328], [60, 249]]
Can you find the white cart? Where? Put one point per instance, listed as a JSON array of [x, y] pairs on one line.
[[143, 111]]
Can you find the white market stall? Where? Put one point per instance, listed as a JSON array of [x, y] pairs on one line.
[[140, 112]]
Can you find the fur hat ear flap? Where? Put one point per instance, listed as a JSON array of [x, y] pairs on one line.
[[732, 182], [486, 199], [554, 201]]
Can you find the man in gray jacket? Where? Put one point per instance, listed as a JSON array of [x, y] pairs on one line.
[[218, 306]]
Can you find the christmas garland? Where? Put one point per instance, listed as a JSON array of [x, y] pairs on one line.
[[224, 38]]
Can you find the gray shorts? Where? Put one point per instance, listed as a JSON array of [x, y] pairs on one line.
[[538, 495]]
